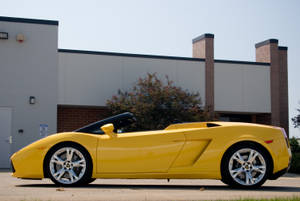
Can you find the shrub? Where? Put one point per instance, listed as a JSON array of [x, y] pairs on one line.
[[295, 164], [294, 145], [157, 104]]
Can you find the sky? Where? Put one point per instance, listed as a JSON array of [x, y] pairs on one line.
[[167, 27]]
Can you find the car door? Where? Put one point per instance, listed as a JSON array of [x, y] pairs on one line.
[[138, 152]]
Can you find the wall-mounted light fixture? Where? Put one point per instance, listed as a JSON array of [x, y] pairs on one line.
[[3, 35], [32, 100], [20, 38]]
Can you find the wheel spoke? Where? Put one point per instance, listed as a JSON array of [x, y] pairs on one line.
[[80, 163], [72, 175], [249, 178], [57, 160], [59, 174], [239, 158], [260, 169], [236, 172], [253, 154], [70, 154]]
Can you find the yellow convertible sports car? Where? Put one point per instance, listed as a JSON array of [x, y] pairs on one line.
[[239, 154]]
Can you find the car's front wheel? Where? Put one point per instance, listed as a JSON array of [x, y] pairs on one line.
[[68, 165], [245, 166]]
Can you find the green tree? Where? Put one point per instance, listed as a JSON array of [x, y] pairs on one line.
[[157, 104], [296, 120]]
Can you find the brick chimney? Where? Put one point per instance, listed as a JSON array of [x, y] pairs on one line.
[[284, 100], [268, 51], [203, 47]]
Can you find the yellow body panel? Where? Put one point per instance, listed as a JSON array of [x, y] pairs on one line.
[[28, 162], [143, 153], [180, 151]]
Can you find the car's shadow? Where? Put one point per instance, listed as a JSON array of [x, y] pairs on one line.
[[169, 187]]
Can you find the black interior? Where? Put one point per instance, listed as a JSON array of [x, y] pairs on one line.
[[119, 121]]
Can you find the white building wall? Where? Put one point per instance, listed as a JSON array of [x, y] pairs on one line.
[[88, 79], [29, 69], [242, 88]]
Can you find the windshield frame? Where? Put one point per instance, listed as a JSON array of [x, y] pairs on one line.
[[119, 121]]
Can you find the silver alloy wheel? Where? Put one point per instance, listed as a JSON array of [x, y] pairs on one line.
[[247, 167], [67, 165]]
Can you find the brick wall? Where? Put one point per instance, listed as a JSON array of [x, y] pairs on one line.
[[262, 119], [70, 118], [269, 51], [203, 47], [284, 100], [259, 118]]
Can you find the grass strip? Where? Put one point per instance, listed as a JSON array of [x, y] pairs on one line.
[[295, 198]]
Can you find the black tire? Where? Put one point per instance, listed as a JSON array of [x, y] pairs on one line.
[[224, 181], [90, 181], [84, 172], [246, 169]]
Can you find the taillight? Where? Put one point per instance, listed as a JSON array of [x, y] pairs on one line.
[[285, 137]]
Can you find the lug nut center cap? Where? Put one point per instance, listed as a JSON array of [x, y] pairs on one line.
[[68, 165]]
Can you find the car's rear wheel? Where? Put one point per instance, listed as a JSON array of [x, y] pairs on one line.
[[245, 166], [68, 165]]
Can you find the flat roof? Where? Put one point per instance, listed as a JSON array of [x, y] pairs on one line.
[[157, 56], [27, 20], [128, 55]]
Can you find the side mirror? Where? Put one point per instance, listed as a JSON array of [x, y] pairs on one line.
[[109, 130]]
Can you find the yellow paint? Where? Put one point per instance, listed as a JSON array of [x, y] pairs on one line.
[[109, 130], [180, 151], [139, 152]]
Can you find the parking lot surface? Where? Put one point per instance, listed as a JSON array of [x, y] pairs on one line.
[[12, 189]]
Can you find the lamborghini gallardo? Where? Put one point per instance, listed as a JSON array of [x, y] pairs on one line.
[[241, 155]]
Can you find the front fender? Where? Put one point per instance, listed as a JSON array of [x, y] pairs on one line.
[[28, 162]]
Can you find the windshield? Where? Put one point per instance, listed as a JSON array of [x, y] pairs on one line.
[[119, 121]]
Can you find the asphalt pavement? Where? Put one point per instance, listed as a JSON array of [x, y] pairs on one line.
[[13, 189]]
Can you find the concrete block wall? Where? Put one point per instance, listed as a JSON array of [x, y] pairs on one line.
[[29, 68]]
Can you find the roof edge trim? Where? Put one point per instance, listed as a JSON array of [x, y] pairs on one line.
[[27, 20]]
